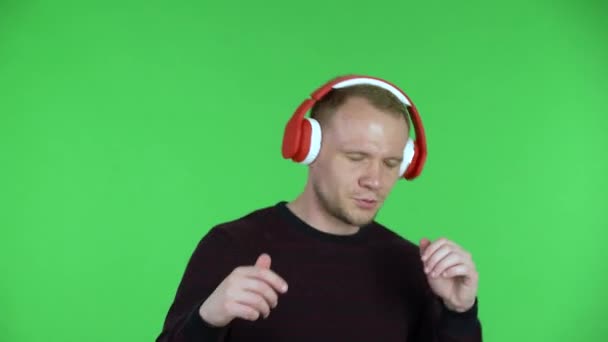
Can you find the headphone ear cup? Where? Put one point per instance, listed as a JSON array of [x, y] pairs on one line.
[[408, 156], [310, 141]]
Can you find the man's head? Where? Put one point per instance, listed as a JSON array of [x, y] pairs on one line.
[[364, 132]]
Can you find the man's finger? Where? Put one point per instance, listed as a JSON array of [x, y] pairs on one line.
[[455, 271], [261, 288], [269, 276], [243, 311], [434, 246], [448, 261], [436, 257], [255, 301], [263, 261], [424, 243]]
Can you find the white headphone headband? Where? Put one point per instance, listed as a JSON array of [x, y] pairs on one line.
[[362, 80]]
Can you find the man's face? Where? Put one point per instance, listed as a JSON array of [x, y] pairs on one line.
[[359, 161]]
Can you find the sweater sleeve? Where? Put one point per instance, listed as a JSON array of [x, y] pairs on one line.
[[437, 323], [212, 260], [459, 326]]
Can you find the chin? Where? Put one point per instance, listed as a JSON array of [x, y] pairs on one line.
[[358, 217]]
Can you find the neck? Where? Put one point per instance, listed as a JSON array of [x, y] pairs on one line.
[[310, 210]]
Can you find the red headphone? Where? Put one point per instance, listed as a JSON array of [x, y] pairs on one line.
[[302, 138]]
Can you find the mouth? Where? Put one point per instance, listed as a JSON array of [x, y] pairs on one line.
[[366, 203]]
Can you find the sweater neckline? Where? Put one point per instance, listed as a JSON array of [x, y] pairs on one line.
[[304, 227]]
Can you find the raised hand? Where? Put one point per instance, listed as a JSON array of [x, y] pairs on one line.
[[450, 272], [248, 292]]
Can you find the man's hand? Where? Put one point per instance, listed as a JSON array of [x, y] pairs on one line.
[[450, 272], [248, 293]]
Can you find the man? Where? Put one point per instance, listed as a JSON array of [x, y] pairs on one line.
[[320, 268]]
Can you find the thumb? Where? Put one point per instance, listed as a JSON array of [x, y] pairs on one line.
[[424, 243], [263, 261]]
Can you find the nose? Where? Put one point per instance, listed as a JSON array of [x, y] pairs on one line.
[[372, 176]]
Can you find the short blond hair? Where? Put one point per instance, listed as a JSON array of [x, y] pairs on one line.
[[378, 97]]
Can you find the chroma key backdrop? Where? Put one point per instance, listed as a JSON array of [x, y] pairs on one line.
[[129, 128]]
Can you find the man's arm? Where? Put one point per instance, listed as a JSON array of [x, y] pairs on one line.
[[438, 319], [212, 260], [449, 293]]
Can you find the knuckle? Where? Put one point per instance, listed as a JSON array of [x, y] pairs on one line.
[[260, 301], [260, 273], [231, 283], [258, 285]]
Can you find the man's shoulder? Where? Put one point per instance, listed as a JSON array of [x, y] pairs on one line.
[[389, 238], [246, 224]]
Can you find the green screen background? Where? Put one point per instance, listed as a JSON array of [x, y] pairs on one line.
[[129, 129]]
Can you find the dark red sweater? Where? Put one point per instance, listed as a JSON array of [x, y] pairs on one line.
[[369, 286]]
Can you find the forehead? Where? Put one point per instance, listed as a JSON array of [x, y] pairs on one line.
[[358, 124]]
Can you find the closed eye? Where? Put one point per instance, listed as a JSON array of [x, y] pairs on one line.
[[356, 156], [393, 163], [360, 156]]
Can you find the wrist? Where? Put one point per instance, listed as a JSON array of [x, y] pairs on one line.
[[204, 315], [197, 328], [460, 308]]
